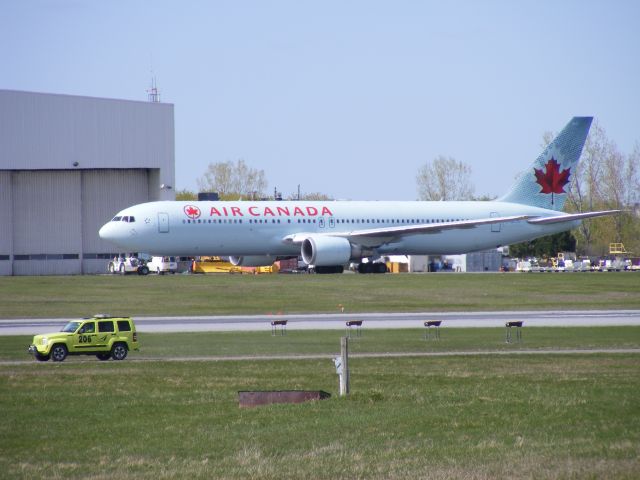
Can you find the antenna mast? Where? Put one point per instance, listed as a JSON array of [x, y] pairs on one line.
[[152, 93]]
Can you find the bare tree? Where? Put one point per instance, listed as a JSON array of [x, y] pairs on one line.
[[621, 187], [233, 180], [310, 196], [185, 194], [444, 179], [584, 190]]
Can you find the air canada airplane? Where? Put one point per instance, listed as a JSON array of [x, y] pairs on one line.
[[330, 234]]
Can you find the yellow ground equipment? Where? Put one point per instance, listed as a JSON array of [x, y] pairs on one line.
[[218, 265], [214, 265], [397, 267], [617, 249]]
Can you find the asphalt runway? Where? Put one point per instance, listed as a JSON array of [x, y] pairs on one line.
[[547, 318]]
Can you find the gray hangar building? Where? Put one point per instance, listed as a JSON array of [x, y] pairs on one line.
[[67, 165]]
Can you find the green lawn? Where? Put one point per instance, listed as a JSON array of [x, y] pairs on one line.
[[78, 296], [478, 417], [542, 416], [301, 342]]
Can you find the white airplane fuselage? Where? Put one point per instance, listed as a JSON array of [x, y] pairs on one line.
[[258, 228]]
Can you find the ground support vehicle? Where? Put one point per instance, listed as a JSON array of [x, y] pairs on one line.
[[127, 264], [162, 265], [523, 266], [101, 335]]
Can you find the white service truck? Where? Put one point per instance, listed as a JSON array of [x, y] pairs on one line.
[[162, 265]]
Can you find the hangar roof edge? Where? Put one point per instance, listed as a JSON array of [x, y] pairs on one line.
[[6, 90]]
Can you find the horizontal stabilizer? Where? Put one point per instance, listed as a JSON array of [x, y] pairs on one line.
[[569, 217]]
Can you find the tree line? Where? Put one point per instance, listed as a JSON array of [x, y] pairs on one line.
[[237, 181]]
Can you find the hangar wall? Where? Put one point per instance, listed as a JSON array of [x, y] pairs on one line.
[[101, 190], [67, 165], [6, 234]]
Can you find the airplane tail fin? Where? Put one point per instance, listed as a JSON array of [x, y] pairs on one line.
[[545, 183]]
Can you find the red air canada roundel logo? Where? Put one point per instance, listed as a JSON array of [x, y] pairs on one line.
[[192, 212]]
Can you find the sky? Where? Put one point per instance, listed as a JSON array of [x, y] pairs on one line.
[[346, 98]]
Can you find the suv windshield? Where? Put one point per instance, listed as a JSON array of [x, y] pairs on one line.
[[71, 327]]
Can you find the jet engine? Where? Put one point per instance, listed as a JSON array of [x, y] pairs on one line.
[[328, 251], [252, 261]]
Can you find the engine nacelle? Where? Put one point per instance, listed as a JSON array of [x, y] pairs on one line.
[[252, 261], [327, 251]]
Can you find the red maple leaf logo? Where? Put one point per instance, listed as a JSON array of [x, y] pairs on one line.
[[554, 180], [191, 211]]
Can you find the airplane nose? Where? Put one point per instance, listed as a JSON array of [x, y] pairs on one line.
[[106, 232]]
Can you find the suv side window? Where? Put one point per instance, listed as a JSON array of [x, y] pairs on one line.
[[105, 326], [124, 326], [89, 327]]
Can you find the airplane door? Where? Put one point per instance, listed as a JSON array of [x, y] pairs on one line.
[[163, 222], [495, 227]]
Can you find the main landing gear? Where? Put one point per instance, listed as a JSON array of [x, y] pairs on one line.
[[362, 268], [372, 268], [329, 269]]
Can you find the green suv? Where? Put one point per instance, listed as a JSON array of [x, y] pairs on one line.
[[103, 336]]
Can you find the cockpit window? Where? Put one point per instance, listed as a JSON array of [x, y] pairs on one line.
[[132, 219], [116, 219]]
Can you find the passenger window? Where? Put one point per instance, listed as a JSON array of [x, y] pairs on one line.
[[89, 327], [105, 326], [124, 326]]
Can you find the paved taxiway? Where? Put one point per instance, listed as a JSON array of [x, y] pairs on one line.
[[337, 321]]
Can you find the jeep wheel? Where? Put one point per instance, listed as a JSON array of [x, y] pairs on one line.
[[42, 358], [119, 351], [103, 356], [58, 353], [144, 270]]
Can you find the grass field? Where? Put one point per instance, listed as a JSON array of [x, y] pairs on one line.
[[490, 415], [78, 296], [304, 342], [484, 416]]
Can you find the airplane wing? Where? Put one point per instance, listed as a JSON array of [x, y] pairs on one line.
[[372, 237], [570, 217]]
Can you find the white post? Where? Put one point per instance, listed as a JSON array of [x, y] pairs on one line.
[[344, 378], [340, 371], [342, 366]]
